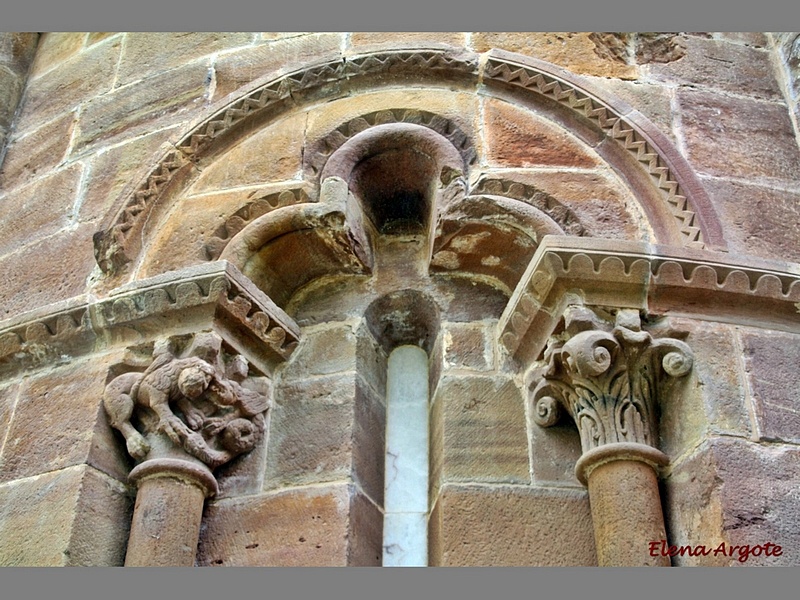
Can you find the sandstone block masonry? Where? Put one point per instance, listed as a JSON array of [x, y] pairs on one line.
[[274, 213]]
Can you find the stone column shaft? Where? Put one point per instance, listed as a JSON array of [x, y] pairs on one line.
[[608, 380]]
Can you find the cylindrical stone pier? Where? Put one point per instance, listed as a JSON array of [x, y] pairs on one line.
[[169, 507], [625, 502]]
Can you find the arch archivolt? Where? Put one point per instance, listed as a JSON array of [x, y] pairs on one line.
[[477, 219]]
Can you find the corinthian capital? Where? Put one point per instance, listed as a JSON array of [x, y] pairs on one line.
[[607, 378]]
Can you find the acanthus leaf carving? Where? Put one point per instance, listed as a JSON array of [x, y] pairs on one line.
[[608, 380]]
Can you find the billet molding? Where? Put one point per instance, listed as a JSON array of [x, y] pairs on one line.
[[259, 205], [252, 106], [656, 279], [217, 293], [321, 150], [549, 205]]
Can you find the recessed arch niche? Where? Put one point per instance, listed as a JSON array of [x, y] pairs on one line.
[[380, 174]]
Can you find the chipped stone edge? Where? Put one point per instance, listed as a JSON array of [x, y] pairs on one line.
[[81, 325], [658, 279]]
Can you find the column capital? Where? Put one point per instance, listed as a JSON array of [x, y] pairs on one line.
[[607, 378]]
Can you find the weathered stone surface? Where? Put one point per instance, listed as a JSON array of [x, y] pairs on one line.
[[8, 400], [366, 533], [270, 155], [181, 241], [235, 69], [158, 101], [740, 493], [103, 514], [73, 516], [483, 430], [693, 509], [148, 53], [11, 86], [94, 37], [37, 517], [59, 422], [468, 347], [748, 38], [771, 360], [323, 351], [111, 170], [738, 137], [40, 209], [723, 66], [37, 152], [82, 77], [659, 47], [362, 41], [712, 399], [17, 50], [554, 452], [311, 431], [581, 53], [513, 526], [602, 204], [652, 100], [54, 48], [776, 231], [44, 272], [516, 138], [369, 442], [291, 528]]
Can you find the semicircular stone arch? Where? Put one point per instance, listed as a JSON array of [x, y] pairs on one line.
[[657, 195]]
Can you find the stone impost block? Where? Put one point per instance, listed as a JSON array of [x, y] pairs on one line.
[[483, 430], [290, 528], [71, 517], [727, 136], [512, 526]]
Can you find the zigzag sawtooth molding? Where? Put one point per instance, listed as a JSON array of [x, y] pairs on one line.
[[682, 192], [215, 293], [614, 125], [112, 245], [658, 279]]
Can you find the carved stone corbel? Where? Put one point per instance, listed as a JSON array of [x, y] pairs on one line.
[[608, 379], [194, 408]]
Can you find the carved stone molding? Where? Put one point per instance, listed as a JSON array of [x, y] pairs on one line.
[[195, 399], [321, 150], [656, 279], [607, 378], [214, 294], [685, 203], [681, 191], [260, 205]]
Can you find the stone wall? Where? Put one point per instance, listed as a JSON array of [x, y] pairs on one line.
[[133, 156]]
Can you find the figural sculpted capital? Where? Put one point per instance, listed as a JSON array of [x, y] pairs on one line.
[[197, 400]]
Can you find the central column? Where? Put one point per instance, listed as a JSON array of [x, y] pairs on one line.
[[405, 525]]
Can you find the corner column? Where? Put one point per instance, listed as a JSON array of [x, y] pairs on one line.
[[608, 380]]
